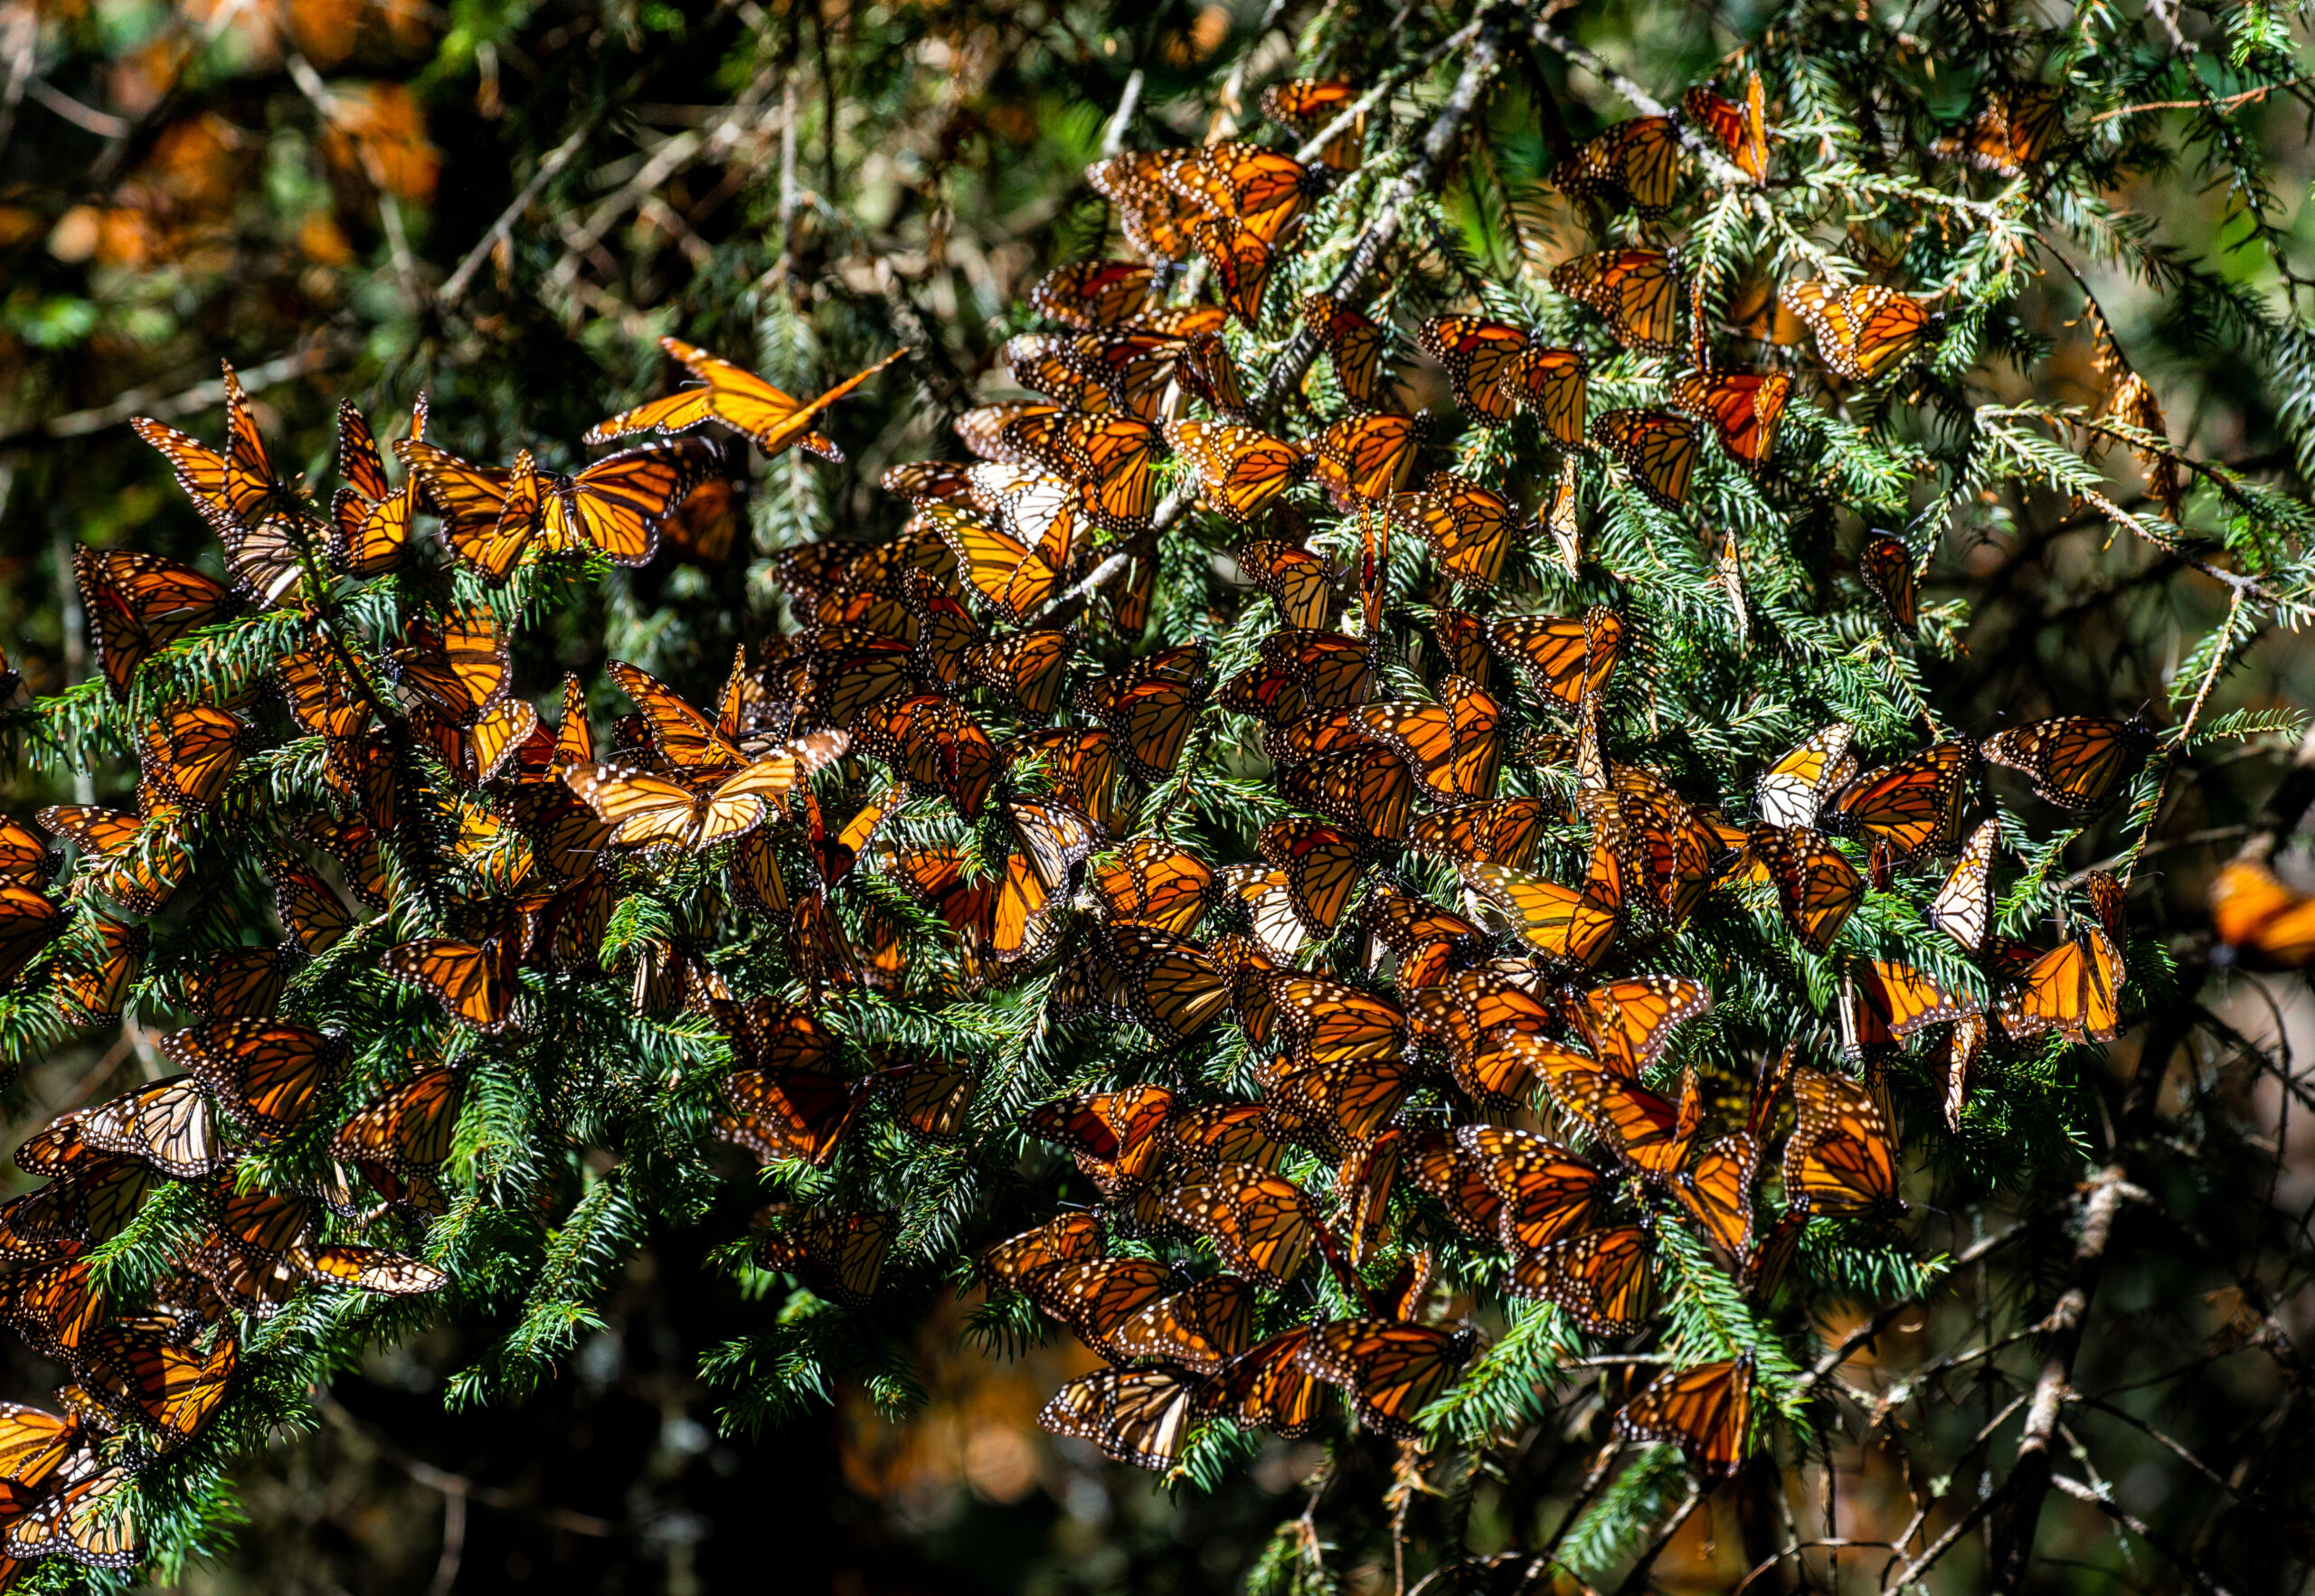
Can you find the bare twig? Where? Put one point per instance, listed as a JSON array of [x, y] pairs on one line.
[[557, 158], [163, 405], [456, 1485]]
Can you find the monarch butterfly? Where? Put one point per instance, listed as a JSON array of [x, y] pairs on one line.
[[1739, 129], [1101, 295], [1628, 1023], [2074, 761], [1659, 447], [493, 515], [1570, 927], [1497, 831], [86, 1522], [1268, 1385], [1111, 1135], [1356, 345], [408, 1128], [1636, 292], [1863, 331], [98, 986], [369, 521], [1424, 937], [1301, 583], [1366, 790], [25, 860], [1261, 188], [1791, 792], [1150, 708], [935, 746], [1887, 567], [1367, 456], [478, 984], [1199, 1330], [267, 1074], [1497, 370], [1390, 1371], [1304, 103], [1455, 746], [29, 922], [1222, 1133], [1123, 371], [310, 911], [190, 753], [137, 603], [781, 1111], [173, 1388], [1717, 1190], [1262, 1227], [1241, 260], [739, 399], [1961, 1054], [1963, 907], [1070, 1236], [373, 1268], [648, 811], [135, 865], [1456, 1179], [258, 519], [1277, 928], [1490, 1055], [1838, 1163], [1913, 804], [1817, 888], [1743, 408], [1546, 1192], [1107, 456], [2011, 130], [1321, 867], [458, 667], [1603, 1278], [1468, 527], [1705, 1411], [2071, 989], [1299, 672], [1363, 1187], [1240, 470], [1560, 657], [2260, 922], [838, 1256], [1095, 1296], [1561, 520], [1136, 1416], [1897, 1000], [1673, 853], [1339, 1107], [1633, 165], [1636, 1128], [168, 1124]]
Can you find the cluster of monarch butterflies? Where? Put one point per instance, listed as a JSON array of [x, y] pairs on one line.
[[1425, 1071], [1440, 1056]]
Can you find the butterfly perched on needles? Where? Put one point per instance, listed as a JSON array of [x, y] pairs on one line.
[[1634, 165], [1310, 104], [2074, 761], [1357, 347], [1497, 370], [1570, 926], [1126, 371], [645, 810], [266, 1074], [1862, 333], [1240, 471], [493, 516], [739, 399], [1137, 1416], [263, 524], [1741, 129], [1390, 1371], [137, 603], [1098, 296], [1659, 447], [1365, 458], [1706, 1410], [839, 1256], [2011, 130], [1839, 1161], [1636, 292], [370, 519], [2073, 989], [1743, 408], [1468, 527], [1917, 803], [1887, 568]]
